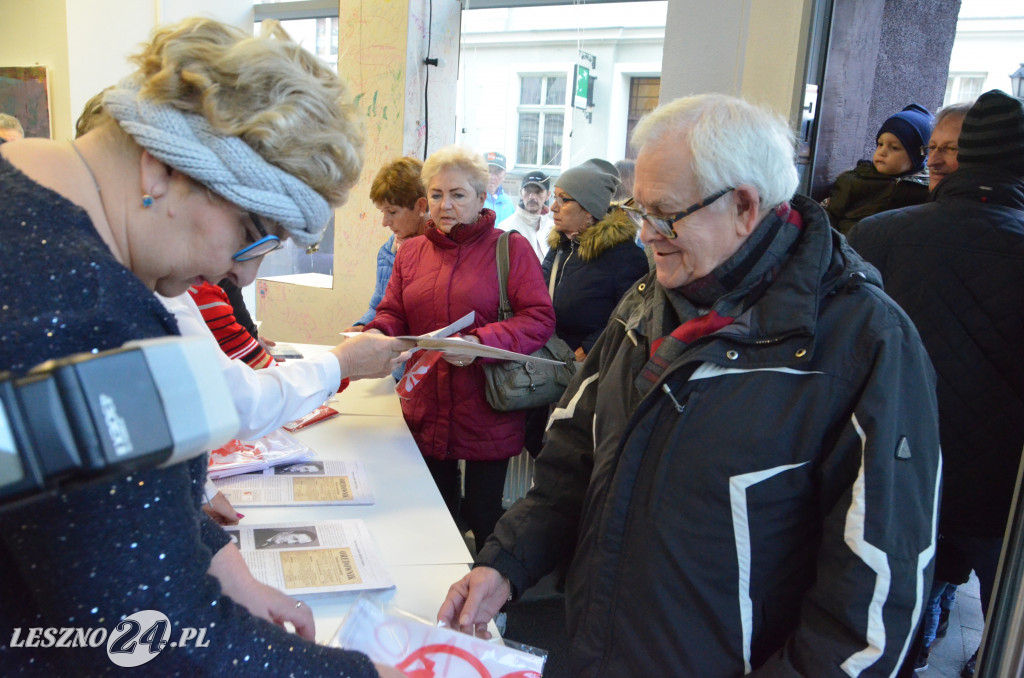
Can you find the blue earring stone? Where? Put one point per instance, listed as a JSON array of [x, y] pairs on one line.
[[147, 200]]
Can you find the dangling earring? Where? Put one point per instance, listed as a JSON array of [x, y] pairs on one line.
[[147, 200]]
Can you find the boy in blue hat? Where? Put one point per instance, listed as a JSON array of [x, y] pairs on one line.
[[894, 176]]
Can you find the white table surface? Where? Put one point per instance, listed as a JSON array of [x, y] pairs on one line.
[[409, 520], [417, 538]]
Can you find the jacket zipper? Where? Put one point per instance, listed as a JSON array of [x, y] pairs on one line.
[[561, 267]]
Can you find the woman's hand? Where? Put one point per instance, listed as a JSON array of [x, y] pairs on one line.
[[221, 510], [581, 355], [386, 671], [267, 344], [261, 600], [461, 359]]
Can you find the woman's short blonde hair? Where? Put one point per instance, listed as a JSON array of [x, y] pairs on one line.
[[461, 159], [266, 90], [399, 183]]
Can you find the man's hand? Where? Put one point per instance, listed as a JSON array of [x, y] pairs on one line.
[[370, 354], [473, 601]]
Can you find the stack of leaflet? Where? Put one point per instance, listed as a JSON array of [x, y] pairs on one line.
[[311, 557], [304, 483], [274, 449]]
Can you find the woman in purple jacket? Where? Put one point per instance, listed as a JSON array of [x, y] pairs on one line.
[[437, 280]]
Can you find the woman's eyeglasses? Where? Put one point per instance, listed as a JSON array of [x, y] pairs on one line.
[[664, 225], [265, 244], [560, 201]]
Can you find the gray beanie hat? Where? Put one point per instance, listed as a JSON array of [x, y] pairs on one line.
[[591, 184]]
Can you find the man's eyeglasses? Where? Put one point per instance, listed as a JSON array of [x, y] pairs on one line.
[[664, 225], [944, 150], [265, 244]]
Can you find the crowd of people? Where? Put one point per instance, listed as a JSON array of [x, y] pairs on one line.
[[794, 427]]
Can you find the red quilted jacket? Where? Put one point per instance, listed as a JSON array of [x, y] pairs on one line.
[[436, 280]]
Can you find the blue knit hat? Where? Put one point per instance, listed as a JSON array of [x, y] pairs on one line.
[[913, 127]]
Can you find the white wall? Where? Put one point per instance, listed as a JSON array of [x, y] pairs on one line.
[[989, 40], [97, 62], [35, 34], [738, 47], [85, 44]]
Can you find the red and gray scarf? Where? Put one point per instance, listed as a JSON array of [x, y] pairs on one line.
[[710, 303]]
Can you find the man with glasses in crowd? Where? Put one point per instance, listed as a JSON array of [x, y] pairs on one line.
[[532, 219], [956, 265], [730, 475], [942, 148]]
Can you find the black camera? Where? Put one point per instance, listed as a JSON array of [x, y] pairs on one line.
[[90, 417]]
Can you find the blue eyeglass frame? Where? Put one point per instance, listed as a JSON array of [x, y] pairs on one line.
[[263, 246], [665, 225]]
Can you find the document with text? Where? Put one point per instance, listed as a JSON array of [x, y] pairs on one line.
[[302, 558], [304, 483]]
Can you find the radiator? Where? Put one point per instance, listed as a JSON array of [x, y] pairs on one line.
[[519, 478]]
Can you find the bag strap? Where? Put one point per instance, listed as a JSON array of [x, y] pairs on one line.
[[554, 274], [501, 258]]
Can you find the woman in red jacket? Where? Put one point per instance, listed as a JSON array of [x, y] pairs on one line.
[[438, 278]]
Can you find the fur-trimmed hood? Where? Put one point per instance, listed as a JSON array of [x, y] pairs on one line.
[[616, 228]]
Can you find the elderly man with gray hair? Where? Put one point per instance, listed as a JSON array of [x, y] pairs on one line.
[[743, 475], [10, 128]]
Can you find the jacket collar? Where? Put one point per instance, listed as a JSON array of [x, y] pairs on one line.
[[531, 220], [982, 185], [462, 233]]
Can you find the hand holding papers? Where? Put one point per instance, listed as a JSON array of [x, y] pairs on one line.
[[442, 340]]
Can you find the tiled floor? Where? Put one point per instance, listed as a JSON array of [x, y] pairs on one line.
[[949, 654]]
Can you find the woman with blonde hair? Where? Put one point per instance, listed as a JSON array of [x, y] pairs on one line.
[[219, 146], [436, 280]]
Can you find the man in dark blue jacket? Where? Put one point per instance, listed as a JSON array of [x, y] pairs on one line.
[[956, 266], [744, 473]]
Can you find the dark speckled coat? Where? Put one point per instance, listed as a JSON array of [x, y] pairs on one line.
[[96, 554]]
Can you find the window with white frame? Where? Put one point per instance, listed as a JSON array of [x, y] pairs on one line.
[[314, 25], [963, 87], [541, 114]]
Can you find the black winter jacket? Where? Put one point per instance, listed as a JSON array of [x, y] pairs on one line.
[[595, 269], [767, 506], [956, 266], [864, 191]]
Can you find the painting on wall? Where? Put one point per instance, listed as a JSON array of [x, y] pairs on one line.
[[25, 94]]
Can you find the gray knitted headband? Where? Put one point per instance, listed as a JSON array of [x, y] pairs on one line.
[[225, 164]]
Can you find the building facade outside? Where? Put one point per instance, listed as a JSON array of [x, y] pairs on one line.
[[517, 66]]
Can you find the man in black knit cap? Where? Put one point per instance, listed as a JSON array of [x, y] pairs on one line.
[[956, 266]]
